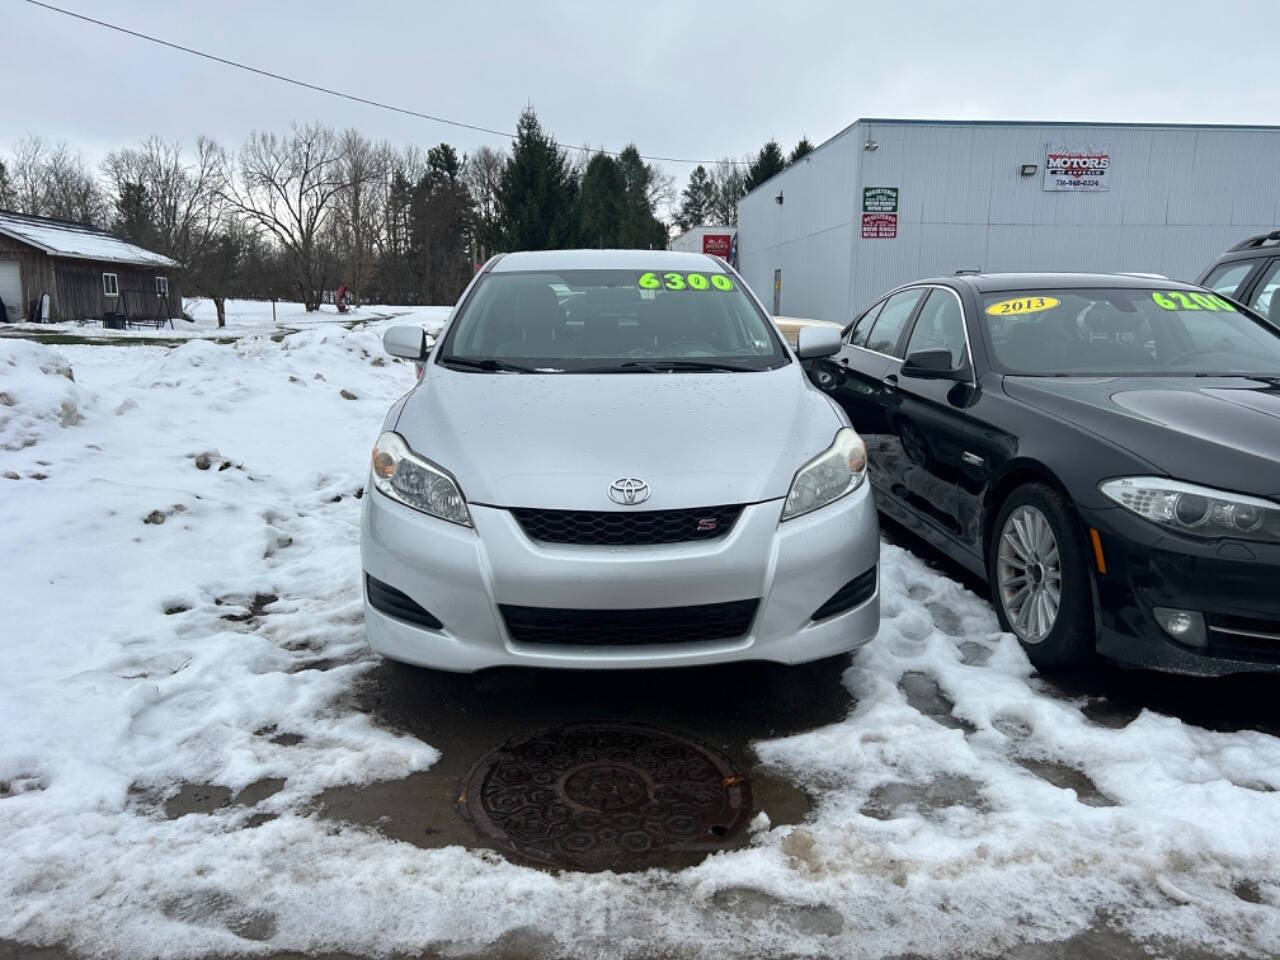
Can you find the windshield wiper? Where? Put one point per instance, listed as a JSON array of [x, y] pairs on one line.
[[488, 363], [668, 366]]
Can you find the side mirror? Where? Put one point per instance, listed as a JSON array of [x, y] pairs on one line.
[[407, 342], [818, 341], [932, 364]]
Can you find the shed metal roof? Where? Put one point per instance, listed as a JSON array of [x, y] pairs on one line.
[[62, 238]]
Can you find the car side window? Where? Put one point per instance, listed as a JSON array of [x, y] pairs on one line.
[[888, 327], [1227, 277], [862, 326], [940, 326], [1265, 299]]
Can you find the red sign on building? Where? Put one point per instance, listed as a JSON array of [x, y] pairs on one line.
[[879, 226], [717, 244]]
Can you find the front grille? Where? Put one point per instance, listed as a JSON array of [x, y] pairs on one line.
[[1244, 636], [393, 603], [855, 592], [624, 628], [627, 527]]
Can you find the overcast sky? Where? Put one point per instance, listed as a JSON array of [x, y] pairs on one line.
[[697, 80]]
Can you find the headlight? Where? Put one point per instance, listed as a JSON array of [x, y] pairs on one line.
[[838, 470], [1198, 511], [416, 482]]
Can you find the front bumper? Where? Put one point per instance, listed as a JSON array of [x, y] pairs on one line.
[[1233, 583], [461, 575]]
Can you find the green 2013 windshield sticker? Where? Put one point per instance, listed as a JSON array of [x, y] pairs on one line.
[[685, 281], [1177, 300]]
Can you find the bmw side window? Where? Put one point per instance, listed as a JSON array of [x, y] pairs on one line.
[[888, 328], [940, 326], [1265, 299], [1227, 277], [862, 326]]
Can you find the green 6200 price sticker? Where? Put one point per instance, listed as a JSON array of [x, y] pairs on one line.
[[684, 281], [1177, 300]]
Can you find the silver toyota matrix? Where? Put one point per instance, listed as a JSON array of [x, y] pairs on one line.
[[612, 460]]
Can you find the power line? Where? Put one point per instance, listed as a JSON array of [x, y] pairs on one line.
[[328, 90]]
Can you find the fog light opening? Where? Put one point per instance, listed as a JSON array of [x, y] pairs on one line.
[[1185, 626]]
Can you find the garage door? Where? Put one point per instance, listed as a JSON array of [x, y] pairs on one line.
[[11, 290]]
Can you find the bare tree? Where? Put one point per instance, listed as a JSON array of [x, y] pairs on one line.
[[51, 181], [287, 186], [728, 183], [185, 195], [358, 213], [482, 176]]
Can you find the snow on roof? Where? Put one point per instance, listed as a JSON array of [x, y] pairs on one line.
[[61, 238]]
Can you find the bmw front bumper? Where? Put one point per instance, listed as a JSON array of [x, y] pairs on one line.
[[1230, 584], [470, 582]]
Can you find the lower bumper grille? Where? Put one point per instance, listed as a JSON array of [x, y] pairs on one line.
[[1245, 636], [623, 628], [857, 591], [387, 599]]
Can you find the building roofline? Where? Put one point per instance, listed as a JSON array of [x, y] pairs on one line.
[[72, 226], [1109, 124], [1135, 125]]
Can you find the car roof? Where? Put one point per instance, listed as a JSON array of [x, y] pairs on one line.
[[998, 282], [656, 260]]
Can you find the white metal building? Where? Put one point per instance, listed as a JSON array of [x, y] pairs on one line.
[[889, 201], [710, 238]]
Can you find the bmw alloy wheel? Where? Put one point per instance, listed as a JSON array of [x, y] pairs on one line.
[[1029, 570]]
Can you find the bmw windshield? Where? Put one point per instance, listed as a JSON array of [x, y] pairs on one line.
[[1129, 331], [607, 321]]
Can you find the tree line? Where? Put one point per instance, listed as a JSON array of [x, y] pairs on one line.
[[294, 215]]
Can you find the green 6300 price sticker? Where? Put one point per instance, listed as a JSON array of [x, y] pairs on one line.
[[684, 281], [1177, 300]]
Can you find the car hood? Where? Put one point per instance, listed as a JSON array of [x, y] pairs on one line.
[[1222, 432], [559, 441]]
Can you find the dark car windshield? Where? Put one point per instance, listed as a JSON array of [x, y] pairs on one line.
[[604, 321], [1128, 331]]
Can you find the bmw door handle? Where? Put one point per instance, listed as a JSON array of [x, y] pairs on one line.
[[890, 383]]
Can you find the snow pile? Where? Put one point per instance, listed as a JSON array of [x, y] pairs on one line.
[[183, 613], [38, 393]]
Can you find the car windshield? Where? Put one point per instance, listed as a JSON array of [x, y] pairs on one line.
[[1128, 331], [604, 321]]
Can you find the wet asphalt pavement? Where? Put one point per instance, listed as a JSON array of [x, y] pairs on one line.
[[720, 709]]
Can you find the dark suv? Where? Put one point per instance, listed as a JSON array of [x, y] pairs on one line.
[[1249, 273]]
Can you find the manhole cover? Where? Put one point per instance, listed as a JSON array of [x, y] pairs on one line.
[[597, 796]]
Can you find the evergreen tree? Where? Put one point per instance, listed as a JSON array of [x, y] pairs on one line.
[[135, 215], [639, 229], [441, 227], [697, 200], [601, 198], [768, 162], [536, 198], [800, 149]]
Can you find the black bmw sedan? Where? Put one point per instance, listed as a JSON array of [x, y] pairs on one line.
[[1103, 449]]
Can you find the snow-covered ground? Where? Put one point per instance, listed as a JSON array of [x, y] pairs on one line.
[[243, 317], [181, 604]]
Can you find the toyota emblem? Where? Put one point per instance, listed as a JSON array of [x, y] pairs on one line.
[[628, 491]]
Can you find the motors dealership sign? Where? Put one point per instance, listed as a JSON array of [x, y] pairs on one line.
[[1077, 168], [717, 244]]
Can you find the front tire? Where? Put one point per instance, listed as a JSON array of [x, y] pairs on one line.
[[1038, 568]]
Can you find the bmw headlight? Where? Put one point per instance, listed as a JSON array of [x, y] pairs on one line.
[[416, 482], [1194, 510], [838, 470]]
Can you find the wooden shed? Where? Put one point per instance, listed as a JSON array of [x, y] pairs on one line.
[[85, 271]]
